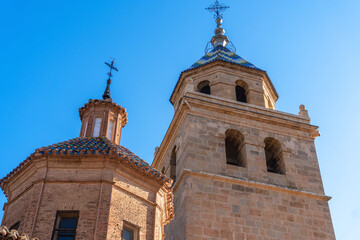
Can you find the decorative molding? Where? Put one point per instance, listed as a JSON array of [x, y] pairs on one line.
[[245, 182], [6, 234]]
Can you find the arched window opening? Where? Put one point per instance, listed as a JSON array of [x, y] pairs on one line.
[[234, 148], [173, 164], [240, 94], [204, 87], [274, 156], [163, 170]]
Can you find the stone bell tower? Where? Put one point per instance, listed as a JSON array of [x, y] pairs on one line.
[[242, 169]]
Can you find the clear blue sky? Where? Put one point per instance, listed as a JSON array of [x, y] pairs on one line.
[[52, 62]]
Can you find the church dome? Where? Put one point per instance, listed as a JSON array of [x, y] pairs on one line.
[[93, 146]]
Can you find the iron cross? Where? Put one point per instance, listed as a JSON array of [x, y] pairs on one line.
[[107, 94], [111, 66], [217, 8]]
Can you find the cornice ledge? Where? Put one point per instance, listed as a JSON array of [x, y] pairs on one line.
[[251, 109], [245, 182]]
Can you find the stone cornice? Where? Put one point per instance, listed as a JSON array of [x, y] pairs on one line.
[[249, 111], [108, 102], [245, 182], [192, 100]]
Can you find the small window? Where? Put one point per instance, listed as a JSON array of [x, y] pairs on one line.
[[173, 164], [97, 126], [240, 94], [274, 156], [130, 232], [234, 148], [204, 87], [65, 225], [15, 226], [163, 170], [110, 130]]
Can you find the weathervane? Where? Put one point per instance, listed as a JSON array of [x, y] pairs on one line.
[[217, 8], [106, 94]]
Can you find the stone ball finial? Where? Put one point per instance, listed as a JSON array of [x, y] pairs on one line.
[[303, 112]]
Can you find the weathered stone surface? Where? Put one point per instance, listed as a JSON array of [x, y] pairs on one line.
[[215, 200]]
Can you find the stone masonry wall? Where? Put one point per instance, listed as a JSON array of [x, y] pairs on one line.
[[176, 229], [204, 141], [226, 209], [209, 209]]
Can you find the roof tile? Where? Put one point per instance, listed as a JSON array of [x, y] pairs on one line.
[[94, 146], [222, 53]]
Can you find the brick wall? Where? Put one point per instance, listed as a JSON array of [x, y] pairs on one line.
[[105, 192]]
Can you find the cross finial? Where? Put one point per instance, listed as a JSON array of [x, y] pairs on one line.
[[106, 94], [217, 8], [219, 39], [111, 66]]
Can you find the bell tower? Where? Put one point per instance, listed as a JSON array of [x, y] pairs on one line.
[[242, 169]]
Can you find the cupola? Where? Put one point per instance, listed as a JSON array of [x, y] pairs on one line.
[[103, 117]]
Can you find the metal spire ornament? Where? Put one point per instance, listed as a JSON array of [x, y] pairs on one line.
[[106, 94], [219, 40], [217, 8]]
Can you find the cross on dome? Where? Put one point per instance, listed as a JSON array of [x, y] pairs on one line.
[[111, 66], [219, 39], [217, 8], [106, 94]]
